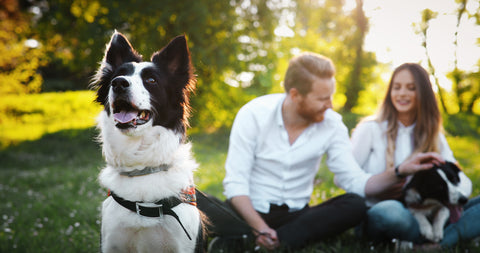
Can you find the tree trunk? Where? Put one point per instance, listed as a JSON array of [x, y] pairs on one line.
[[355, 79]]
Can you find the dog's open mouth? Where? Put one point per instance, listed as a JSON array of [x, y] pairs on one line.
[[127, 115]]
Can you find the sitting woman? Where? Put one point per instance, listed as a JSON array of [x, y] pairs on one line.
[[403, 138]]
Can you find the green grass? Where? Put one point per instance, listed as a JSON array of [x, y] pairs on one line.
[[51, 198], [50, 194]]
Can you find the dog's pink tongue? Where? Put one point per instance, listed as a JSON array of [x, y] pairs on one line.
[[455, 213], [125, 117]]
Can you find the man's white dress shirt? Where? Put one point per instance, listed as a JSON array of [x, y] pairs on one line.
[[263, 165]]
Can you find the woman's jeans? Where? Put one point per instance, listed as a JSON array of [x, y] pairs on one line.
[[390, 219]]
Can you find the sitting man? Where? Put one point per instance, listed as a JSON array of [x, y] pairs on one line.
[[276, 145]]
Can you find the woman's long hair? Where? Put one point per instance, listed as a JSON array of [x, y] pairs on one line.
[[427, 115]]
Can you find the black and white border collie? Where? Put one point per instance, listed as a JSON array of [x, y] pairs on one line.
[[435, 195], [149, 166]]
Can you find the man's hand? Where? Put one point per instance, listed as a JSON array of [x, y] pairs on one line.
[[266, 236], [419, 162], [267, 239]]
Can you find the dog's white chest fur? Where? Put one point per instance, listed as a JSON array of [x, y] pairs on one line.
[[126, 231]]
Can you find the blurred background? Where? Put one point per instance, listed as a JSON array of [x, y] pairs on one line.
[[49, 51]]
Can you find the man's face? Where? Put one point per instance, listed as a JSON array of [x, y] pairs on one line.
[[313, 105]]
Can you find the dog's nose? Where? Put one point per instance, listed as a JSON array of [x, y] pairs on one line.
[[120, 85], [462, 200]]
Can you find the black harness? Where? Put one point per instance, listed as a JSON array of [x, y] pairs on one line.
[[153, 210]]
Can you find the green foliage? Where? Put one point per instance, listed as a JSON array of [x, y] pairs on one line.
[[236, 46], [325, 28], [465, 94], [467, 90], [76, 42], [462, 124], [20, 58]]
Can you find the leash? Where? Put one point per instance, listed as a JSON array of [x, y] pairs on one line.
[[231, 214]]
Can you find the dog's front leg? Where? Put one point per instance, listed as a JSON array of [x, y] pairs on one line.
[[425, 227], [439, 222]]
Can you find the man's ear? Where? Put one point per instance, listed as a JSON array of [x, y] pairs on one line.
[[294, 94]]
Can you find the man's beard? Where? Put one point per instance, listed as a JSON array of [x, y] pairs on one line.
[[310, 115]]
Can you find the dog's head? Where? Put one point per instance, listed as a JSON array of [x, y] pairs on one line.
[[137, 94], [441, 183]]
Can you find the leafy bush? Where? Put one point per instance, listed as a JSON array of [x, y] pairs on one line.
[[462, 124]]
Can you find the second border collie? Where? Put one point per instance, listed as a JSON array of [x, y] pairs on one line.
[[431, 195]]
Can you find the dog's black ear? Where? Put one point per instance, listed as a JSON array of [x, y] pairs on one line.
[[451, 170], [174, 59], [175, 56], [119, 51]]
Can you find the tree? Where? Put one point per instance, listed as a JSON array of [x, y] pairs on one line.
[[324, 27], [355, 84], [237, 46], [422, 28], [225, 39], [465, 85]]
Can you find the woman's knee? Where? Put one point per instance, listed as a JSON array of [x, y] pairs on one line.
[[390, 214]]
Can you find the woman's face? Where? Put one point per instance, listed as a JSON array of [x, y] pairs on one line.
[[404, 94]]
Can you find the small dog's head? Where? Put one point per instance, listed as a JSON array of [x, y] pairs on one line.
[[440, 183], [137, 94]]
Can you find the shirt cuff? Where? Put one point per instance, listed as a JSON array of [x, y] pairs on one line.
[[235, 189]]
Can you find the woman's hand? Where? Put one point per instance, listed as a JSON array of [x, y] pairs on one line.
[[267, 238], [387, 185], [419, 162]]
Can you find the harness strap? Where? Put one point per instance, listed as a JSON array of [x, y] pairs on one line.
[[153, 210]]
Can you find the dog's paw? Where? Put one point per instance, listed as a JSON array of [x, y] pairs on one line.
[[427, 232], [437, 235]]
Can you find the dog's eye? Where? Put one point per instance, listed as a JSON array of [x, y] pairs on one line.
[[150, 80]]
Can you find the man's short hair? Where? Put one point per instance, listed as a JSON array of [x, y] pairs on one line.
[[304, 69]]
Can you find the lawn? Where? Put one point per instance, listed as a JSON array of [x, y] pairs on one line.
[[51, 197]]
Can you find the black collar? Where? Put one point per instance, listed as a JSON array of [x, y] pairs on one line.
[[153, 210]]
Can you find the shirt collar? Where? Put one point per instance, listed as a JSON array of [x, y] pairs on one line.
[[404, 129], [278, 112]]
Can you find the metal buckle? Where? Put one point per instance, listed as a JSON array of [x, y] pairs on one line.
[[139, 205]]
